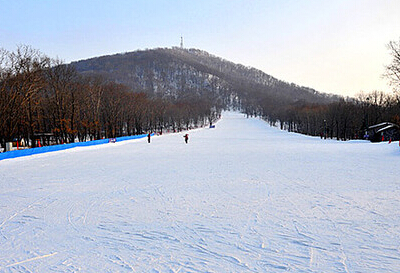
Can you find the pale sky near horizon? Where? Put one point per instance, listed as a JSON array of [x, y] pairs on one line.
[[336, 46]]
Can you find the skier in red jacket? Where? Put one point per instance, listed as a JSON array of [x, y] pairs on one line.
[[186, 138]]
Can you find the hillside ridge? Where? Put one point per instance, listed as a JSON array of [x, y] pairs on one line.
[[170, 72]]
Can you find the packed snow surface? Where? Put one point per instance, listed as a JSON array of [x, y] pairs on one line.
[[243, 197]]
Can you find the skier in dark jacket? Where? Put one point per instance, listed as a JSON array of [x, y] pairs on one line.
[[148, 137], [186, 138]]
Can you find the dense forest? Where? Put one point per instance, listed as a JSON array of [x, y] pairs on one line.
[[172, 72], [45, 100], [169, 72]]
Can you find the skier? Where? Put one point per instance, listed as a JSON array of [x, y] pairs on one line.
[[148, 137], [186, 138]]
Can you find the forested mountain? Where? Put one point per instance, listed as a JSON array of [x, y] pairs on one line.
[[190, 75], [177, 72], [44, 100]]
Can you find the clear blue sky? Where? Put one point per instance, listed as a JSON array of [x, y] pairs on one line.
[[336, 46]]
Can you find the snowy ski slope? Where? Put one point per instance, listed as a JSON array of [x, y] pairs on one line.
[[243, 197]]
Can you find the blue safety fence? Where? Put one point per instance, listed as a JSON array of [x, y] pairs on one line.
[[53, 148]]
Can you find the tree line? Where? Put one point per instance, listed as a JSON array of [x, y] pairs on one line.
[[343, 120], [346, 118], [47, 100], [42, 99]]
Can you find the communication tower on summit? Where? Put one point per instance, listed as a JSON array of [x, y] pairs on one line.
[[181, 41]]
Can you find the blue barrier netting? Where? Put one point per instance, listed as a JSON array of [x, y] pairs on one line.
[[53, 148]]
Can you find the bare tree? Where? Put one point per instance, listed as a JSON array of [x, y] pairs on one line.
[[393, 70], [60, 94], [22, 79]]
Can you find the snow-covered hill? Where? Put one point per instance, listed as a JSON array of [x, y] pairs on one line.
[[243, 197], [176, 72]]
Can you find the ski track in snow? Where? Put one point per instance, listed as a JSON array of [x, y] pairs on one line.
[[243, 197]]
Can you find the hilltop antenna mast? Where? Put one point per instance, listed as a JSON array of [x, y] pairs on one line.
[[181, 42]]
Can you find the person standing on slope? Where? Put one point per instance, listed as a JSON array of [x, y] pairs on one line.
[[148, 137], [186, 138]]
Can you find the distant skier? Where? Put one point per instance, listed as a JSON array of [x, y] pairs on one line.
[[148, 137], [186, 138]]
